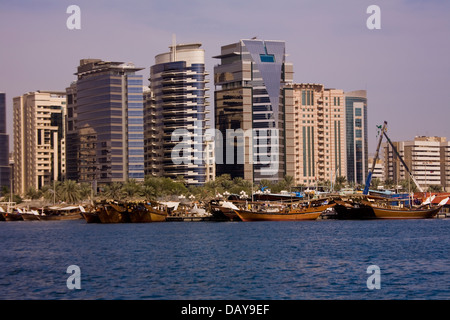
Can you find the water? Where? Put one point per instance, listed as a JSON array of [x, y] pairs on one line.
[[323, 259]]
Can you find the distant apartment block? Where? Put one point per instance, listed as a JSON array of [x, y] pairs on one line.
[[319, 127], [378, 171], [425, 158], [5, 171], [105, 123], [252, 99], [445, 165], [176, 116], [39, 139]]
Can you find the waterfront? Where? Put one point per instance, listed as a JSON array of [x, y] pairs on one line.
[[323, 259]]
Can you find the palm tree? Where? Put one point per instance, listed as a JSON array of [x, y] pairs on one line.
[[288, 181], [114, 191], [85, 190], [131, 188], [340, 183], [32, 193], [69, 191], [435, 188]]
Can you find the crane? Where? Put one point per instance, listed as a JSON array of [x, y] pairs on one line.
[[369, 175]]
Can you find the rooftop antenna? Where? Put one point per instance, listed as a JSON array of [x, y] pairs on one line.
[[174, 47]]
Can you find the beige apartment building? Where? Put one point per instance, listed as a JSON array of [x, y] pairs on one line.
[[39, 139], [319, 127], [426, 158]]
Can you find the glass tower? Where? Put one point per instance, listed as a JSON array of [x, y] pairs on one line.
[[105, 121], [5, 171], [356, 135], [253, 104]]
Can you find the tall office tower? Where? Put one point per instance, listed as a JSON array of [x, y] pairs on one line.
[[254, 111], [39, 139], [71, 133], [319, 128], [105, 122], [176, 115], [424, 157], [356, 132], [5, 171]]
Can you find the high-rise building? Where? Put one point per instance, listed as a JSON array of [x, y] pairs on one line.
[[254, 111], [176, 115], [319, 126], [5, 171], [105, 122], [356, 133], [39, 139]]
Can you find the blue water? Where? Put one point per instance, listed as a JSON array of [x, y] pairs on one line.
[[323, 259]]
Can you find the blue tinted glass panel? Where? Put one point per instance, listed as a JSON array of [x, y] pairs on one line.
[[267, 57]]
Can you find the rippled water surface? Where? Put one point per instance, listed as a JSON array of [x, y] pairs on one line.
[[324, 259]]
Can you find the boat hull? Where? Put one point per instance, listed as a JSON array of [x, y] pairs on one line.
[[110, 214], [12, 216], [91, 217], [68, 216], [224, 213], [137, 216], [30, 217], [353, 211], [294, 215], [153, 215], [392, 213]]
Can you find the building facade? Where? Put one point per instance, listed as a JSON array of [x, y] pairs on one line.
[[176, 115], [39, 139], [105, 122], [320, 144], [445, 165], [425, 158], [5, 171], [356, 135], [254, 111]]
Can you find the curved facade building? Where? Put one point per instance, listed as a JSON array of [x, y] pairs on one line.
[[176, 115]]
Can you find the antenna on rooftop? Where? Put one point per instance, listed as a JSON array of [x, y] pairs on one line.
[[174, 47]]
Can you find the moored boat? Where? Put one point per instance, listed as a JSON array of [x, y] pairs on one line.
[[12, 216], [90, 215], [404, 213], [31, 215], [113, 213], [156, 213], [224, 210], [293, 213], [61, 213]]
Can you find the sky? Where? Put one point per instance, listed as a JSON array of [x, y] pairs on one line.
[[404, 66]]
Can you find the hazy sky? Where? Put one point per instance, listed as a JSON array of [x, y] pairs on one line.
[[404, 66]]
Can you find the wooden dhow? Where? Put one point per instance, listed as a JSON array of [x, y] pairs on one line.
[[299, 211], [384, 210]]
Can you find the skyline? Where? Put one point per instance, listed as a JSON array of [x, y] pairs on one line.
[[403, 66]]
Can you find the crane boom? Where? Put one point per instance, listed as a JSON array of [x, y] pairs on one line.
[[403, 162], [369, 174]]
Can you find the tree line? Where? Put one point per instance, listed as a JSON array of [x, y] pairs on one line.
[[162, 188]]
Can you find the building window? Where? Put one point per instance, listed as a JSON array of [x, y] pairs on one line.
[[267, 57]]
